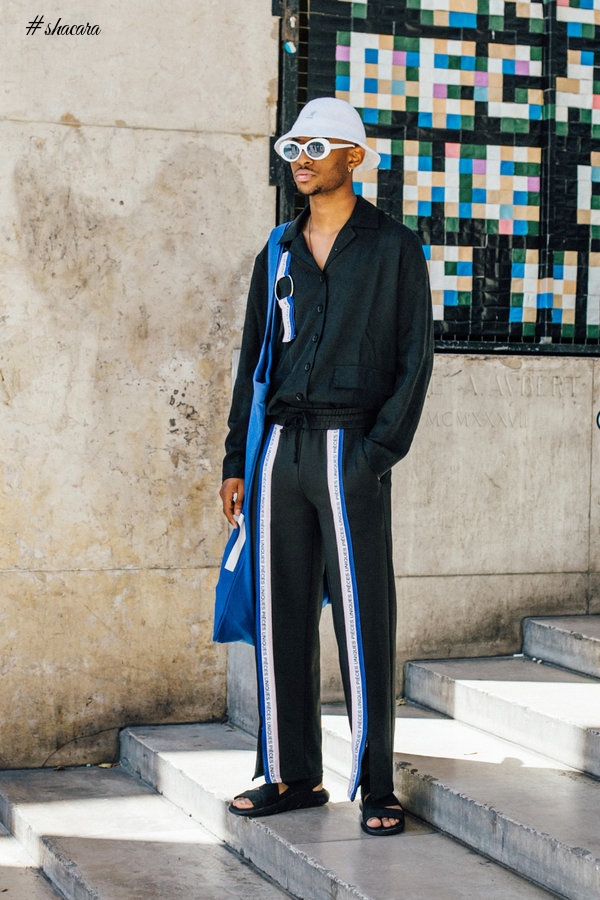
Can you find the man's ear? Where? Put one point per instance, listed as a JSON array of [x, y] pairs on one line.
[[355, 157]]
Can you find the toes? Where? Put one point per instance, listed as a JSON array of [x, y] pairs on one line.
[[385, 823]]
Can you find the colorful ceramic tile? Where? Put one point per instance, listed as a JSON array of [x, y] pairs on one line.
[[451, 275], [486, 114], [451, 79]]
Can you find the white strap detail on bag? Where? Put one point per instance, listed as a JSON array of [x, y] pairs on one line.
[[286, 304], [237, 547]]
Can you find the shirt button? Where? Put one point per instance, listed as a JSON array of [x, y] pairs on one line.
[[315, 338], [307, 367], [321, 278], [299, 396], [320, 307]]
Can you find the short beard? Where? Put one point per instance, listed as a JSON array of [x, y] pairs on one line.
[[323, 188]]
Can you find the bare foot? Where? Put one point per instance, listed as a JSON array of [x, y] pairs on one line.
[[386, 822]]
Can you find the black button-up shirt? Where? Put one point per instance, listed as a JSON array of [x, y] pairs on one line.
[[364, 335]]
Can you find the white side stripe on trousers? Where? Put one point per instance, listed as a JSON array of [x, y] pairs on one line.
[[267, 689], [358, 725]]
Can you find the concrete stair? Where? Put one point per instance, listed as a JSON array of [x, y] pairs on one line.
[[105, 834], [101, 834], [523, 732], [489, 759], [19, 876], [569, 641], [317, 854]]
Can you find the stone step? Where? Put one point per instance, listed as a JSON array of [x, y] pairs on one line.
[[100, 834], [534, 815], [316, 854], [19, 877], [569, 641], [547, 709]]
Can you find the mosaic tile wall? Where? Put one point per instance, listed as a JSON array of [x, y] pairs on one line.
[[487, 117]]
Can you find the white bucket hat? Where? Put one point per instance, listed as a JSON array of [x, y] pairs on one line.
[[328, 117]]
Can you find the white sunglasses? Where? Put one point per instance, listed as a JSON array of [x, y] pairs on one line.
[[316, 148]]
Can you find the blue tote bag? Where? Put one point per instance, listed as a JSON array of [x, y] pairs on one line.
[[235, 599]]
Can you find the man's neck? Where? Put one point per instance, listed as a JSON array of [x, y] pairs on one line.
[[330, 212]]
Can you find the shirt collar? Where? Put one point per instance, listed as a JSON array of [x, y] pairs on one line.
[[364, 215]]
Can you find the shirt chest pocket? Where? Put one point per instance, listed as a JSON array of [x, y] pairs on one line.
[[365, 382]]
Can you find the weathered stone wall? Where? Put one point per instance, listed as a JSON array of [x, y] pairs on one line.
[[133, 197]]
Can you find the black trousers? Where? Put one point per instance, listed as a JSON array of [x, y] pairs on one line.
[[321, 514]]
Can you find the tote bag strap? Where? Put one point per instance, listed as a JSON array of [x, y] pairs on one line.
[[275, 252], [262, 372]]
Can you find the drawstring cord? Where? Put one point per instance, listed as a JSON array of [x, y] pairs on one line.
[[298, 421]]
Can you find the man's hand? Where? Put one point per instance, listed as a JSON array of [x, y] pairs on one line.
[[232, 495]]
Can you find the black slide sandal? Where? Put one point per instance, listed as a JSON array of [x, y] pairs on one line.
[[267, 801], [381, 809]]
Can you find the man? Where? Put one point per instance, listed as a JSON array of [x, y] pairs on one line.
[[349, 378]]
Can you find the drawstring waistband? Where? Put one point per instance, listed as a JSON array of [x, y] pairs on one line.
[[321, 419], [300, 418]]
